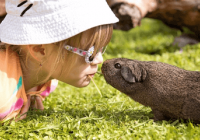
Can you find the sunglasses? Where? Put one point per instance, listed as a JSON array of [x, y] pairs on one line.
[[87, 54]]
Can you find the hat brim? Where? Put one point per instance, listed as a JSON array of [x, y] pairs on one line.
[[57, 26]]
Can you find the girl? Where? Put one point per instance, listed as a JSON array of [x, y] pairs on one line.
[[44, 40]]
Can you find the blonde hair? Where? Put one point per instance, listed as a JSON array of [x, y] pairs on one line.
[[99, 37]]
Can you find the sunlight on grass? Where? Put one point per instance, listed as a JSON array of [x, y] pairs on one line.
[[81, 113]]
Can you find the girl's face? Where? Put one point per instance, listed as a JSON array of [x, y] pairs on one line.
[[79, 72]]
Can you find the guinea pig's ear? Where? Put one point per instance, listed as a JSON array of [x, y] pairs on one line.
[[127, 74], [139, 72], [144, 74]]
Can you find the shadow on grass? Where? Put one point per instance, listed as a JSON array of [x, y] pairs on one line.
[[144, 39], [118, 118], [107, 115], [159, 50], [148, 29]]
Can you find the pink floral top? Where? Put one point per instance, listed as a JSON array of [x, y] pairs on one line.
[[12, 92]]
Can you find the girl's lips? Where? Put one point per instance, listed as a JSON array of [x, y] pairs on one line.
[[92, 75]]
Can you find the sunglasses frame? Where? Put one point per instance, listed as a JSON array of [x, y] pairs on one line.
[[86, 54]]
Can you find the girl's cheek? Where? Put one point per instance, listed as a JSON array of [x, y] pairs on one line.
[[98, 58]]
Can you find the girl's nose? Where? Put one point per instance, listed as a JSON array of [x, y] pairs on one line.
[[98, 59]]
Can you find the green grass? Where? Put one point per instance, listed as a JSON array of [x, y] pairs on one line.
[[73, 113]]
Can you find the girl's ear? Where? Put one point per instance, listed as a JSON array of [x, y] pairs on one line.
[[39, 48], [37, 51]]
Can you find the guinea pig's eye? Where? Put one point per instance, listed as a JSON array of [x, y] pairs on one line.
[[117, 66]]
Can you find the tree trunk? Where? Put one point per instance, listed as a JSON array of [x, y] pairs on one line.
[[131, 12], [174, 13], [179, 14]]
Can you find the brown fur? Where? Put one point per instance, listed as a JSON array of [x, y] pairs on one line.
[[171, 92]]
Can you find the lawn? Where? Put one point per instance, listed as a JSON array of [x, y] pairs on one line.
[[73, 113]]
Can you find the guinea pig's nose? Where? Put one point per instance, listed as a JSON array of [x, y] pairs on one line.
[[104, 67]]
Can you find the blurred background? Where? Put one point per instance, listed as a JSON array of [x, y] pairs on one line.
[[73, 113]]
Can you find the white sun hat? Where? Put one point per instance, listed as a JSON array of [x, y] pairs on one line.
[[48, 21]]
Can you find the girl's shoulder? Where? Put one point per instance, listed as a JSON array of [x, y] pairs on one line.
[[10, 72], [12, 93], [10, 64]]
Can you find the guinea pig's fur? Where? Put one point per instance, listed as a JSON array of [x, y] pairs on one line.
[[171, 92]]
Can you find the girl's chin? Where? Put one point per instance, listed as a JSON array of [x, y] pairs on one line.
[[83, 84]]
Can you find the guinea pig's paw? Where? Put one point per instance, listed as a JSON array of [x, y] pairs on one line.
[[158, 115]]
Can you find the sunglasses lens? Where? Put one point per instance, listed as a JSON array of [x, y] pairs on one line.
[[91, 58]]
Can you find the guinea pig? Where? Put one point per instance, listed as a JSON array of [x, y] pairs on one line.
[[171, 92]]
